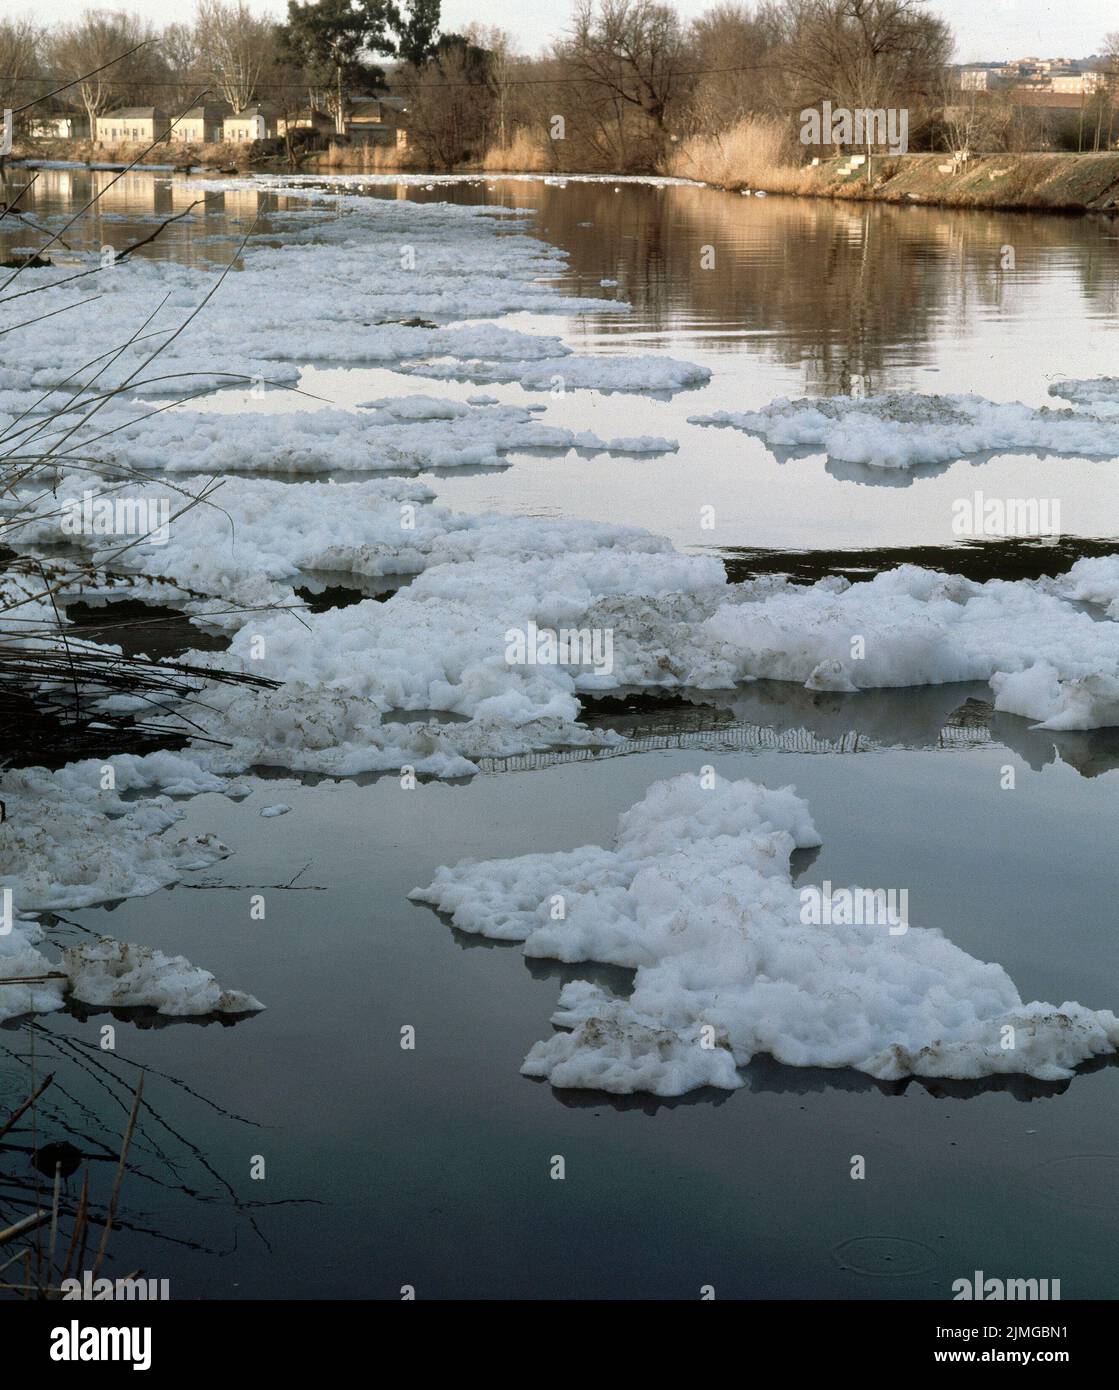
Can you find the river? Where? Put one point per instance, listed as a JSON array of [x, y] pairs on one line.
[[430, 1167]]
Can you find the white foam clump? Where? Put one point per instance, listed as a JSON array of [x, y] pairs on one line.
[[1095, 580], [248, 545], [69, 841], [335, 292], [441, 644], [20, 960], [108, 974], [1101, 391], [66, 843], [1044, 660], [575, 373], [903, 430], [405, 432], [115, 974], [696, 897]]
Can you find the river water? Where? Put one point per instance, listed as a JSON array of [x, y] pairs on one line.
[[385, 1167]]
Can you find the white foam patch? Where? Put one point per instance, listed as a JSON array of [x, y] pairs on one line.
[[696, 897], [368, 687], [68, 843], [901, 430], [629, 373], [375, 282], [404, 434], [912, 626], [113, 975]]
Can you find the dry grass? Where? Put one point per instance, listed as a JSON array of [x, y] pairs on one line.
[[367, 159], [177, 152], [526, 153], [42, 1269], [756, 153], [760, 153]]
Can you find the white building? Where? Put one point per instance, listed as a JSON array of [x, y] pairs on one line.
[[132, 124], [202, 125], [256, 122]]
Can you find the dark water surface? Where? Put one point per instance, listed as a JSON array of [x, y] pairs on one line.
[[386, 1167]]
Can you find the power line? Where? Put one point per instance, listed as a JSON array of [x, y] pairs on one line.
[[158, 83]]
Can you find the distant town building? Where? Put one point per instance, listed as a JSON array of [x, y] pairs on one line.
[[257, 122], [305, 120], [1087, 82], [202, 125], [58, 120], [378, 121], [977, 79], [144, 124]]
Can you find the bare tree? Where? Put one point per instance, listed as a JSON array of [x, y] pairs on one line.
[[179, 45], [864, 53], [1109, 91], [20, 64], [450, 101], [633, 51], [732, 53], [498, 44], [94, 41], [234, 48]]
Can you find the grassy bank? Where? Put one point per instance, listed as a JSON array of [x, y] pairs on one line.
[[218, 156], [757, 155], [354, 158]]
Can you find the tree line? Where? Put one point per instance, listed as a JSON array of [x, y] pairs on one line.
[[324, 53], [625, 87]]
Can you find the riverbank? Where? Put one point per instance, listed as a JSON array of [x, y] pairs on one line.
[[1056, 182], [222, 157]]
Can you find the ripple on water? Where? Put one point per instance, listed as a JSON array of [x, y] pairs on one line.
[[1085, 1180], [12, 1083], [888, 1256]]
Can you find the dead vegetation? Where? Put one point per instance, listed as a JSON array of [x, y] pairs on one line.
[[51, 680], [758, 154]]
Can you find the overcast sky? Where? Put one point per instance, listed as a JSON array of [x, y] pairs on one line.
[[984, 28]]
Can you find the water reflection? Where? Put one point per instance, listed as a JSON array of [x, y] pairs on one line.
[[836, 290]]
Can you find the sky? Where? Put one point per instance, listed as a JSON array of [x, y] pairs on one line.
[[993, 29]]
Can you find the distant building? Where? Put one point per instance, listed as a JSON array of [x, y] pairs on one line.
[[975, 79], [202, 125], [1086, 82], [1050, 100], [305, 120], [257, 122], [60, 121], [378, 121], [143, 124]]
